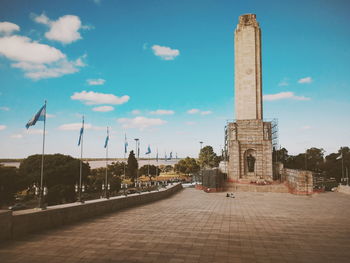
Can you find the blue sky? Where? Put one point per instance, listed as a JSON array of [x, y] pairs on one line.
[[164, 71]]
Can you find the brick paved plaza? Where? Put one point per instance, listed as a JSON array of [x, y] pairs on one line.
[[193, 226]]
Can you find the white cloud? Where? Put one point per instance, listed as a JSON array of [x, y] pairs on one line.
[[76, 127], [8, 27], [283, 95], [306, 127], [305, 80], [193, 111], [4, 108], [140, 122], [65, 29], [34, 131], [283, 83], [197, 111], [136, 112], [190, 123], [38, 61], [94, 82], [20, 48], [94, 98], [2, 127], [206, 112], [17, 136], [162, 112], [165, 53], [103, 108], [53, 70]]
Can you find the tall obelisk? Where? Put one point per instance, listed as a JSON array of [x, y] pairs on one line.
[[248, 139], [248, 90]]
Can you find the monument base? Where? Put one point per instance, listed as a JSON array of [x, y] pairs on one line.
[[243, 186], [250, 150]]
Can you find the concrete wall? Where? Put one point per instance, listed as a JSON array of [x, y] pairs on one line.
[[5, 224], [345, 189], [15, 224], [298, 181]]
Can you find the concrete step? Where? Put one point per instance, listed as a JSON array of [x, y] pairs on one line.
[[245, 187]]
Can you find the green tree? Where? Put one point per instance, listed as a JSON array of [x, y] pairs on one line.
[[314, 159], [61, 173], [96, 179], [280, 155], [208, 158], [187, 166], [337, 164], [116, 168], [132, 166], [311, 160], [9, 180], [153, 171]]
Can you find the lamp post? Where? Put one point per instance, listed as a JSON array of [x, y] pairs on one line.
[[125, 187], [41, 193], [79, 191], [201, 172], [107, 185], [137, 153]]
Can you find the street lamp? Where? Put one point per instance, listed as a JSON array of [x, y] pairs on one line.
[[201, 172], [41, 193], [137, 153], [79, 191]]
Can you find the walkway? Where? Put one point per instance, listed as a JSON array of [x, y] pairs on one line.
[[193, 226]]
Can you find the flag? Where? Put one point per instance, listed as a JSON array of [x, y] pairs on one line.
[[40, 116], [81, 132], [125, 145], [148, 150], [340, 156], [107, 139]]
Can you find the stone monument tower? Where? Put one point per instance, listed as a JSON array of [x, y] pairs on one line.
[[249, 140]]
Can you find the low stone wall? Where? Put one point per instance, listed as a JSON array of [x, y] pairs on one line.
[[345, 189], [16, 224], [298, 181], [5, 224]]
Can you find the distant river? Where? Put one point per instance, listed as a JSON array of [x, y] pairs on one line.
[[102, 163]]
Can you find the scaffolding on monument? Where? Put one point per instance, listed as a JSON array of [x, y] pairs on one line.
[[225, 150], [274, 134]]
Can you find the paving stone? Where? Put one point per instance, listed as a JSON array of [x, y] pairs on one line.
[[193, 226]]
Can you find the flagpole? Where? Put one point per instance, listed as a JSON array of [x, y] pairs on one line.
[[124, 163], [106, 179], [157, 166], [81, 162], [124, 154], [342, 165], [42, 165], [148, 164]]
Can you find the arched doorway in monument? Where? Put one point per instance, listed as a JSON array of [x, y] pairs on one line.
[[250, 162]]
